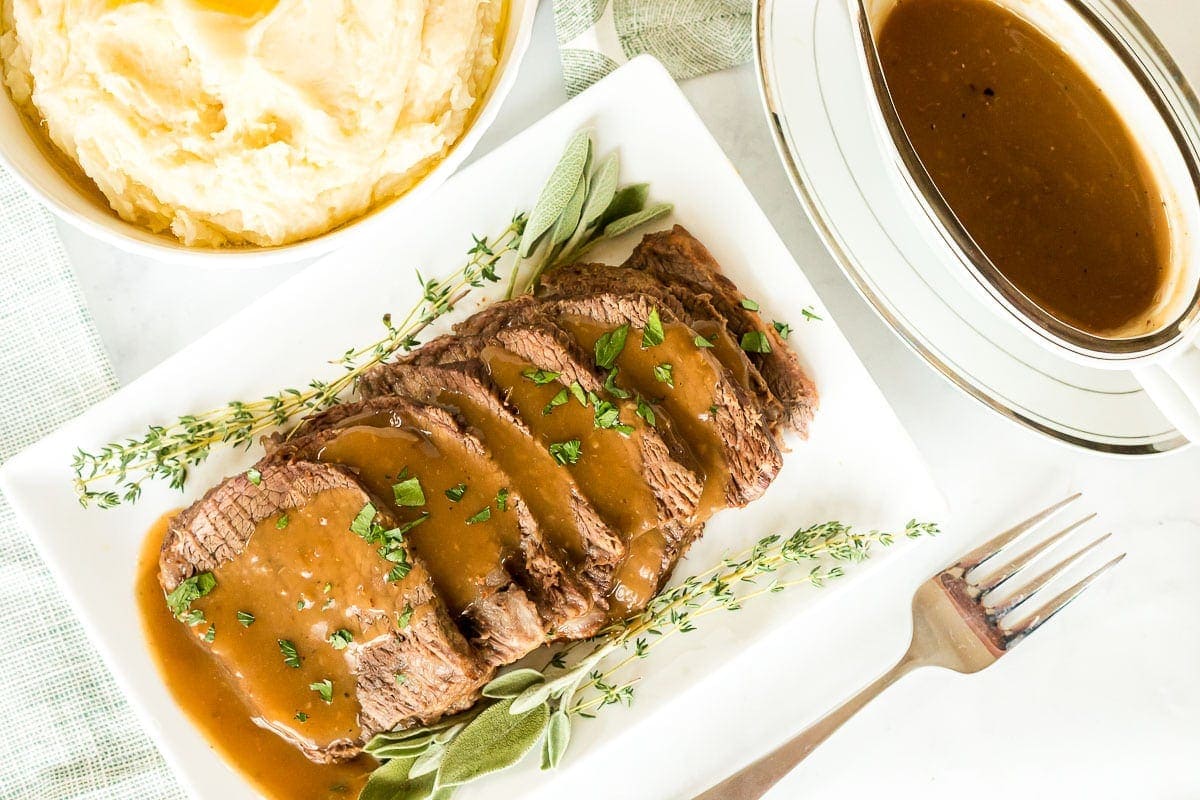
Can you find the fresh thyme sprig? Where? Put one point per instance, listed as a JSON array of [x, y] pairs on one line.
[[537, 705], [166, 452], [568, 224]]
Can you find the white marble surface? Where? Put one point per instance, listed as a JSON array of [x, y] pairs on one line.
[[1104, 703]]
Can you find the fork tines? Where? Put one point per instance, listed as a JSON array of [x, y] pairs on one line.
[[981, 589]]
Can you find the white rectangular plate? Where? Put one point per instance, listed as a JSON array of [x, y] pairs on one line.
[[859, 465]]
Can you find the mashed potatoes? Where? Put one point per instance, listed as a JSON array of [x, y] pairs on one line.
[[249, 121]]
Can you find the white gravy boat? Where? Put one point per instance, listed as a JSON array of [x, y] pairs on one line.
[[1127, 61]]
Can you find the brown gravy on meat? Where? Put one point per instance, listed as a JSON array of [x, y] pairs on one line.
[[1033, 158], [608, 466], [463, 556], [304, 576], [217, 704], [677, 377]]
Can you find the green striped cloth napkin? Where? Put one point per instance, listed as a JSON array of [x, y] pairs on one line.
[[690, 37], [69, 733]]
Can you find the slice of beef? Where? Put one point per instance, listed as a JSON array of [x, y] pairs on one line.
[[744, 441], [583, 280], [519, 327], [529, 597], [680, 261], [443, 674], [553, 496]]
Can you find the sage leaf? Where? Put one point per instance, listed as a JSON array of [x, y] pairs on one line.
[[427, 762], [422, 788], [408, 748], [511, 684], [495, 740], [558, 191], [558, 736], [602, 189], [448, 734], [568, 221], [387, 781], [627, 200], [628, 223], [532, 697]]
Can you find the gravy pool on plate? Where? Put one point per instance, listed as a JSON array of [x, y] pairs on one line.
[[1033, 159]]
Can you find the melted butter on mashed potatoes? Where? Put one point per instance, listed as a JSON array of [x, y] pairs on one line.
[[229, 122]]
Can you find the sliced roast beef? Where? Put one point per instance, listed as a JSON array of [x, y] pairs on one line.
[[487, 553], [584, 280], [719, 418], [633, 478], [680, 261], [675, 488], [553, 496], [392, 657]]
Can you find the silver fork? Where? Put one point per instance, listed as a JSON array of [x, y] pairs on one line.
[[954, 626]]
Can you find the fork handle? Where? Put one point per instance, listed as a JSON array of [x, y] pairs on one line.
[[756, 780]]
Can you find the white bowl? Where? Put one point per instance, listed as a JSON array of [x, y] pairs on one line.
[[29, 160]]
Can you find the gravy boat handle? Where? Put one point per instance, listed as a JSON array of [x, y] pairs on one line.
[[1174, 386]]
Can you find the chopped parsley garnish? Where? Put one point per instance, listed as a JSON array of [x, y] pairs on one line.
[[610, 385], [401, 679], [193, 618], [567, 452], [652, 334], [665, 373], [502, 499], [399, 572], [562, 397], [245, 618], [301, 716], [210, 634], [609, 346], [290, 656], [540, 376], [301, 604], [363, 524], [482, 515], [810, 315], [404, 617], [323, 688], [755, 342], [608, 416], [195, 587], [749, 305], [701, 342], [578, 393], [340, 638], [254, 476], [408, 493], [645, 412], [455, 493], [281, 523], [782, 328]]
